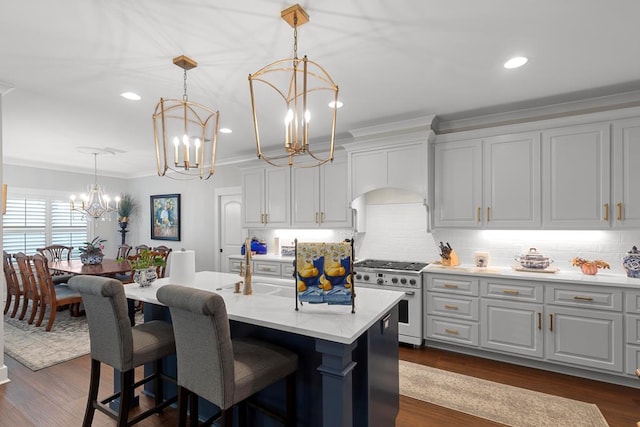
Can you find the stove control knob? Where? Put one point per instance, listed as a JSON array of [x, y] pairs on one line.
[[403, 281], [366, 277], [380, 281], [394, 280], [412, 282], [358, 276]]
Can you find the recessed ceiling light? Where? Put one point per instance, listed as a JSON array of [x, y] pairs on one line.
[[131, 96], [225, 130], [516, 62], [334, 104]]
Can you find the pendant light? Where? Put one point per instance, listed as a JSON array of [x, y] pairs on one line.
[[95, 204], [305, 89], [186, 133]]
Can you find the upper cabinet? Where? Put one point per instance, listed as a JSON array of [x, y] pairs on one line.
[[576, 171], [320, 196], [626, 173], [266, 197], [491, 182]]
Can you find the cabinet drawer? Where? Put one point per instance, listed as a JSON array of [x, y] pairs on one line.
[[234, 265], [262, 268], [592, 297], [458, 331], [632, 302], [633, 330], [511, 290], [287, 270], [452, 284], [452, 306], [632, 359]]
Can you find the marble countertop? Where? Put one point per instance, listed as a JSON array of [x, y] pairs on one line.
[[273, 306], [575, 276], [266, 257]]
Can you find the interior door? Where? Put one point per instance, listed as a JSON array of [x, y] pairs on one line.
[[231, 234]]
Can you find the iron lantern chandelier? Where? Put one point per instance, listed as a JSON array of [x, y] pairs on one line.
[[186, 133], [303, 85], [95, 203]]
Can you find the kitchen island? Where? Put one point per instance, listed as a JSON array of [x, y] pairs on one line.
[[348, 369]]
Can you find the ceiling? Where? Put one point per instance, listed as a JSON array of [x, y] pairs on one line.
[[67, 62]]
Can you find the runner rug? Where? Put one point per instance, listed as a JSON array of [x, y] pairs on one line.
[[512, 406]]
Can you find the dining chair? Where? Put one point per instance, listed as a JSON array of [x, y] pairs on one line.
[[31, 295], [141, 248], [116, 343], [57, 253], [214, 366], [51, 295], [14, 289], [123, 251]]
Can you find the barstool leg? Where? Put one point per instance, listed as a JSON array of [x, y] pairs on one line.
[[94, 384], [183, 401], [126, 387]]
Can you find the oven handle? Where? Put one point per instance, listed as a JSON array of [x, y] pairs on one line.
[[410, 293]]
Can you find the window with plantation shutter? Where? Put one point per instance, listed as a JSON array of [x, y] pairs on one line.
[[33, 222]]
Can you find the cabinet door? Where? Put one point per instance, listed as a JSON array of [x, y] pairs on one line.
[[253, 198], [626, 173], [585, 337], [514, 327], [512, 181], [305, 193], [277, 197], [576, 168], [334, 195], [458, 184]]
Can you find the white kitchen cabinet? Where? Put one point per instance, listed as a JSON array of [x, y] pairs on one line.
[[492, 182], [576, 177], [266, 197], [320, 196], [626, 173], [402, 167]]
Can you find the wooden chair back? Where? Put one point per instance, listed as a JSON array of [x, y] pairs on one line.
[[14, 293], [56, 253], [141, 248], [123, 251], [29, 285]]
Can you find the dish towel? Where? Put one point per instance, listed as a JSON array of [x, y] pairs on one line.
[[323, 272]]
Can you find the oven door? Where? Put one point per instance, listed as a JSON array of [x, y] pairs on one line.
[[409, 313]]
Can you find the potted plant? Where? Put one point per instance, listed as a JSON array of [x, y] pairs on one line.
[[145, 265], [91, 252], [126, 208], [588, 266]]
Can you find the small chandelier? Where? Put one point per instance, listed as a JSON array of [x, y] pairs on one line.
[[185, 132], [95, 204], [295, 81]]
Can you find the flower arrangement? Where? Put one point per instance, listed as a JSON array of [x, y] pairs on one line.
[[147, 259], [589, 267], [93, 247]]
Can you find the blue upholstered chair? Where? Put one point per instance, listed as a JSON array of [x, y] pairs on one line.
[[217, 368], [116, 343]]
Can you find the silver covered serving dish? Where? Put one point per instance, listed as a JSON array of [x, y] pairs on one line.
[[534, 259]]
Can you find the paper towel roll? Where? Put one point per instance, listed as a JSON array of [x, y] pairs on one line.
[[183, 268]]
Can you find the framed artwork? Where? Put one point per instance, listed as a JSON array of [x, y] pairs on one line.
[[165, 217]]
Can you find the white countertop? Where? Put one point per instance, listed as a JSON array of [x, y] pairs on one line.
[[266, 257], [603, 278], [329, 322]]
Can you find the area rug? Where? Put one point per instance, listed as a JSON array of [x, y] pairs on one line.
[[512, 406], [37, 349]]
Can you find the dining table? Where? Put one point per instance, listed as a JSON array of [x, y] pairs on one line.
[[108, 267]]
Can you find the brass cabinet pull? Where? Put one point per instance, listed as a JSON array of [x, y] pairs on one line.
[[451, 307], [511, 292], [478, 214], [579, 298], [539, 321], [316, 217], [488, 214], [321, 217], [606, 211], [551, 322], [619, 206], [450, 286], [265, 268], [452, 331], [266, 218]]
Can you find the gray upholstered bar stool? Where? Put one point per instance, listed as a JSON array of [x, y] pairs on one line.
[[116, 343], [217, 368]]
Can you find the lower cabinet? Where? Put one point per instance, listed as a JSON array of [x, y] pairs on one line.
[[282, 269]]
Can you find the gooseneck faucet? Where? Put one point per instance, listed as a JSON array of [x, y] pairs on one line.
[[245, 268]]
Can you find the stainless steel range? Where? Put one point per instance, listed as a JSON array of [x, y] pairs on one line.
[[397, 276]]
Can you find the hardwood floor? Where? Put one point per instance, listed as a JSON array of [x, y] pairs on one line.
[[56, 396]]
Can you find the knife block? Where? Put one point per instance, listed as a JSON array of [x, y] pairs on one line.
[[452, 261]]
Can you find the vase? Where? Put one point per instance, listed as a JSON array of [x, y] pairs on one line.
[[589, 268], [91, 259], [145, 277], [631, 263]]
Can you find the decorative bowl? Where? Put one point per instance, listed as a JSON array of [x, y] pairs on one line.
[[91, 259], [534, 259]]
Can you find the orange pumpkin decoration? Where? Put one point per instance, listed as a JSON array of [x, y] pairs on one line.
[[589, 268]]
